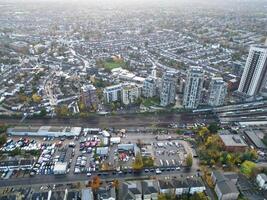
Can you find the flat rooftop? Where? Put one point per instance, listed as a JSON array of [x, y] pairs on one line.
[[233, 140]]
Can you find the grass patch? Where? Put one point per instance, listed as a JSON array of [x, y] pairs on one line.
[[151, 102], [109, 65]]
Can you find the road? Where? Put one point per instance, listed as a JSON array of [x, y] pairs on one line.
[[121, 121], [71, 178]]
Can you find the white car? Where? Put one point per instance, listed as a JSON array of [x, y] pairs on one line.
[[158, 171], [88, 174]]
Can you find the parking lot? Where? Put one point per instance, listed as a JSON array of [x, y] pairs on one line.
[[92, 152], [169, 153]]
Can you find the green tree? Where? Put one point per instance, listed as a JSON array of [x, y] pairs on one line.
[[15, 152], [43, 112], [3, 139], [199, 196], [62, 111], [264, 140], [148, 161], [138, 163], [189, 160], [247, 168], [3, 128], [213, 128], [250, 155]]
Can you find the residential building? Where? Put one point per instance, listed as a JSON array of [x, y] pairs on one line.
[[217, 91], [226, 190], [193, 87], [150, 189], [261, 179], [149, 88], [154, 72], [168, 88], [225, 185], [130, 93], [112, 93], [131, 190], [106, 193], [87, 194], [181, 186], [218, 176], [89, 96], [196, 186], [166, 187], [255, 73]]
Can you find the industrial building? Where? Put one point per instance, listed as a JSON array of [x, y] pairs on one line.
[[45, 131]]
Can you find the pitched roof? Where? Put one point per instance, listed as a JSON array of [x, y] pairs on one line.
[[218, 175], [227, 187], [180, 183], [165, 184]]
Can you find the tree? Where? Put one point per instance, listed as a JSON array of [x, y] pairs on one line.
[[3, 128], [148, 161], [62, 111], [3, 139], [264, 140], [81, 106], [199, 196], [43, 112], [203, 132], [95, 184], [36, 98], [247, 168], [250, 155], [116, 185], [138, 163], [15, 152], [162, 197], [189, 160], [104, 167], [213, 128]]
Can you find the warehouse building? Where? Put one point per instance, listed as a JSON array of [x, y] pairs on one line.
[[255, 137], [45, 131], [233, 143]]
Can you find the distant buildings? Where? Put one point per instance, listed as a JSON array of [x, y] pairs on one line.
[[255, 73], [217, 92], [130, 93], [149, 88], [193, 87], [89, 96], [126, 93], [112, 93], [168, 88]]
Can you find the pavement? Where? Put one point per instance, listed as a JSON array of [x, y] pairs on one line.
[[71, 178]]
